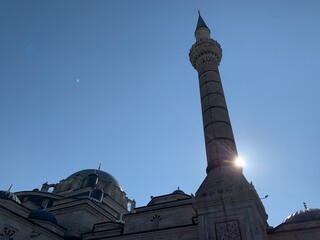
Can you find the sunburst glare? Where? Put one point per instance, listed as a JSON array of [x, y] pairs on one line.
[[239, 162]]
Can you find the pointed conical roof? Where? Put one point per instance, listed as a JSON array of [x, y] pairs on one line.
[[201, 22]]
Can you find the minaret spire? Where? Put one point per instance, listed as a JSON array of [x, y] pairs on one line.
[[201, 22], [205, 56]]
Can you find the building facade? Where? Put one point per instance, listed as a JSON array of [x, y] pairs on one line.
[[90, 204]]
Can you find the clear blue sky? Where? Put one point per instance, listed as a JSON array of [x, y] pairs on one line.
[[89, 82]]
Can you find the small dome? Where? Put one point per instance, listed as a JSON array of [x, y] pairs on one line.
[[9, 195], [44, 215], [102, 175], [309, 214], [178, 191]]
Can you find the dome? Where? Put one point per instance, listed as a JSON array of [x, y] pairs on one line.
[[178, 191], [103, 176], [82, 184], [9, 195], [44, 215], [309, 214]]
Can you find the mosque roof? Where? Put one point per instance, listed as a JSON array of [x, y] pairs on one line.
[[309, 214], [102, 175], [9, 195]]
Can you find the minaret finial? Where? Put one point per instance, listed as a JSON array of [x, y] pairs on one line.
[[99, 166], [305, 206]]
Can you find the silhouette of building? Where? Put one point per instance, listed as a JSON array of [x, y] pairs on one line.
[[90, 204]]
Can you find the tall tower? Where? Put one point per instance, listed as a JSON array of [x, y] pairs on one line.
[[228, 206]]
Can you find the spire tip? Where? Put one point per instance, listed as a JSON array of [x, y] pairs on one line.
[[201, 22]]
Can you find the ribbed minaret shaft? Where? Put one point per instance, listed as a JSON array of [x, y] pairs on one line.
[[205, 56]]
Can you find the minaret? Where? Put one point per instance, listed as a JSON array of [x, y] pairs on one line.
[[205, 56], [228, 207]]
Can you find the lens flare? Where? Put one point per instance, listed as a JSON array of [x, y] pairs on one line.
[[239, 162]]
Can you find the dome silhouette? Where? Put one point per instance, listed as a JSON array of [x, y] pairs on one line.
[[309, 214], [102, 175]]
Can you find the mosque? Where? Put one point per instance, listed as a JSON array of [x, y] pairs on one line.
[[90, 204]]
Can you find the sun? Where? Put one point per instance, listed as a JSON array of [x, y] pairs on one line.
[[239, 162]]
